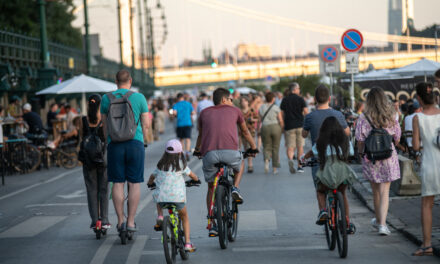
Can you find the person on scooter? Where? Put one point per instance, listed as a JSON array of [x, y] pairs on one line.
[[94, 167]]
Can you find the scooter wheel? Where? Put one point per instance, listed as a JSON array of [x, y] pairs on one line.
[[130, 235], [98, 234], [123, 235], [104, 232]]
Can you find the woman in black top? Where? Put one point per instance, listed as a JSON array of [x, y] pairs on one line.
[[95, 174]]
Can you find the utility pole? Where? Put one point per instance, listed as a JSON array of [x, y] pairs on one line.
[[130, 3], [153, 67], [45, 56], [87, 39], [121, 54], [141, 38]]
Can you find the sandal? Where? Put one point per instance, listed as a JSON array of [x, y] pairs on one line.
[[423, 251], [250, 169]]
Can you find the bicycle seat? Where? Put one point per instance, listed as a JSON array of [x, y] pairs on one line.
[[220, 165], [168, 205]]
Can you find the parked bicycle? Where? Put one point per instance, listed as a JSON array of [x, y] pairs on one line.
[[173, 238], [336, 225]]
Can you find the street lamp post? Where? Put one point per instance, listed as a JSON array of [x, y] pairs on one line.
[[43, 35], [121, 54], [437, 27], [87, 38]]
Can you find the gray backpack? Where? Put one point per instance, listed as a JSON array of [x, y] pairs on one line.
[[121, 125]]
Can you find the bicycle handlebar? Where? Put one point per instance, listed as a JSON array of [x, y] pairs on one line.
[[246, 154], [188, 183]]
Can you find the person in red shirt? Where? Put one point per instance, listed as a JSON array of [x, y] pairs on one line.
[[218, 141]]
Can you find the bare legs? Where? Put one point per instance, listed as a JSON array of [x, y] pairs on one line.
[[427, 205], [133, 200], [381, 193]]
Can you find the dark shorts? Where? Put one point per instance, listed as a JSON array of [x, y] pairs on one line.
[[183, 132], [125, 161]]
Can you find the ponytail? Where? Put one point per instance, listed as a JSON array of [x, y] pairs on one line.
[[93, 102]]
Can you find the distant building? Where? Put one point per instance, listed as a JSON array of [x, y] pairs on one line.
[[148, 62], [400, 15], [252, 52]]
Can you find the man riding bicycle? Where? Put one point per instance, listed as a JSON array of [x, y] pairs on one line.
[[218, 142]]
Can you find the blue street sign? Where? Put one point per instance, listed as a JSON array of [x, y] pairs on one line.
[[352, 40], [329, 54]]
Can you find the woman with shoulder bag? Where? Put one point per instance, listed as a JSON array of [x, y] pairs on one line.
[[426, 127], [380, 115], [272, 125], [92, 154]]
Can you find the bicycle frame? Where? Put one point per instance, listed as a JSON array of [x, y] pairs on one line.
[[214, 188], [175, 221]]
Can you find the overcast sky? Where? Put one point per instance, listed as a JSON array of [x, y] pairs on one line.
[[191, 25]]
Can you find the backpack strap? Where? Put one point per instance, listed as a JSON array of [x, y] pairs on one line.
[[369, 122], [127, 94], [111, 96]]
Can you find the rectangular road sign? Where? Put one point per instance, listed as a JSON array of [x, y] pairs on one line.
[[329, 58], [352, 62]]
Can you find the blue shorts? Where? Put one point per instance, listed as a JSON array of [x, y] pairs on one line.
[[125, 161], [183, 132]]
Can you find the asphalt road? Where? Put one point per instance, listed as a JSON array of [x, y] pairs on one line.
[[44, 219]]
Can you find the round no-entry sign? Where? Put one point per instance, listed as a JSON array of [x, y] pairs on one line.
[[329, 54], [352, 40]]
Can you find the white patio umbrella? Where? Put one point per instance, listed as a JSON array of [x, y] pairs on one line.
[[245, 90], [80, 84], [423, 67]]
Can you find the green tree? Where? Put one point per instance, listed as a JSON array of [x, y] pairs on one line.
[[22, 16], [307, 83]]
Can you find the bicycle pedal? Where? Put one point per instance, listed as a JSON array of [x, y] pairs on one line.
[[238, 201], [158, 228]]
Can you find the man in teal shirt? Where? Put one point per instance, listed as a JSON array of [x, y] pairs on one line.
[[125, 160]]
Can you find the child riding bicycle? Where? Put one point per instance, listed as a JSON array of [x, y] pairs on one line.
[[170, 186], [332, 150]]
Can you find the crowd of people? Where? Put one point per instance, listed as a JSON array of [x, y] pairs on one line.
[[119, 126]]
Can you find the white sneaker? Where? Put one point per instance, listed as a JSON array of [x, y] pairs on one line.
[[384, 231], [374, 223], [266, 166]]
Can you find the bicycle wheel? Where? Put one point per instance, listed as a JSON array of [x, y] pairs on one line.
[[341, 226], [31, 160], [69, 160], [183, 254], [232, 231], [222, 202], [330, 234], [168, 240]]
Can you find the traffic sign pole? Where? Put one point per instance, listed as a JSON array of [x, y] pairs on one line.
[[352, 92]]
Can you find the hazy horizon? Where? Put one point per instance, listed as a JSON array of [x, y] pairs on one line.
[[190, 25]]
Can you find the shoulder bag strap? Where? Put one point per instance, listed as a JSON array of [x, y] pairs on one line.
[[267, 111], [369, 122]]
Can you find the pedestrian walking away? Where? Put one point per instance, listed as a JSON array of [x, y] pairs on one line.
[[184, 111], [426, 128], [312, 126], [271, 129], [379, 114], [294, 109], [125, 119], [218, 142], [251, 118], [92, 156]]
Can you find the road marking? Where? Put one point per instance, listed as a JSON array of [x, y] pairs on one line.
[[260, 249], [75, 194], [55, 204], [136, 250], [38, 184], [32, 226], [152, 252], [251, 220], [103, 250], [144, 203]]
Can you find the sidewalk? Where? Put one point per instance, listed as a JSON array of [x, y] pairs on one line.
[[404, 213]]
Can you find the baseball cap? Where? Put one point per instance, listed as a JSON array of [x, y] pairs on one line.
[[416, 104], [173, 146], [27, 107]]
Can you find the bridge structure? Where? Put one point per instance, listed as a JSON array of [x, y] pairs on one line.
[[222, 74]]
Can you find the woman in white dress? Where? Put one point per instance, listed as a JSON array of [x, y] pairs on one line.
[[425, 127]]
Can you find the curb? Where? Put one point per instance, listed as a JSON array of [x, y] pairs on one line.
[[367, 199]]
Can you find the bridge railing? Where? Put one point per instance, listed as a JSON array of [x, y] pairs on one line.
[[20, 55]]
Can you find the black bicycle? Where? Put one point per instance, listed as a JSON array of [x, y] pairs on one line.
[[173, 237], [336, 224]]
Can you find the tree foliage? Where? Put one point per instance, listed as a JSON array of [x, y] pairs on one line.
[[307, 83], [23, 16]]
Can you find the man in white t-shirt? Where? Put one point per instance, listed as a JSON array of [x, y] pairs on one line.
[[408, 122]]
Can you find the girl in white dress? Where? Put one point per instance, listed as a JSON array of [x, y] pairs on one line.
[[425, 127]]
